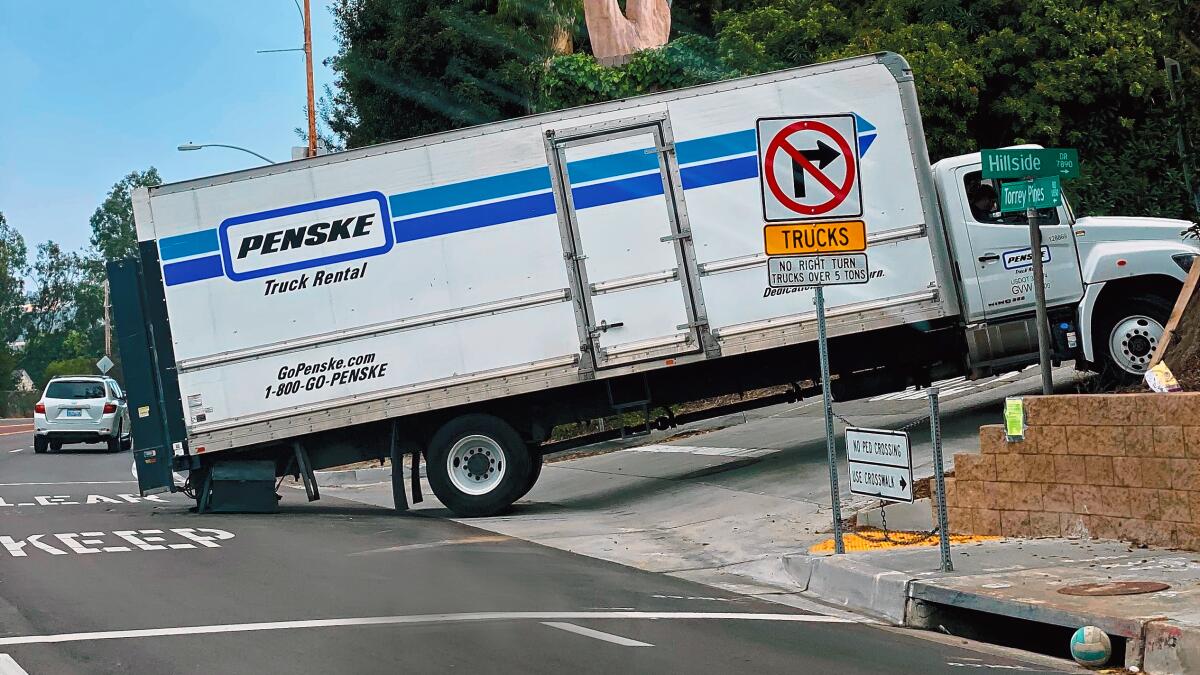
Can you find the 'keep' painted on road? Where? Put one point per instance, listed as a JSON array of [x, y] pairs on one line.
[[118, 541], [69, 500]]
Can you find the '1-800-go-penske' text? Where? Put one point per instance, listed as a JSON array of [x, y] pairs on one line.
[[331, 373]]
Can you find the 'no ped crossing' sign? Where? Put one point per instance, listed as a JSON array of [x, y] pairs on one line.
[[809, 167]]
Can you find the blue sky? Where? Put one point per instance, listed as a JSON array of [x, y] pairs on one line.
[[93, 89]]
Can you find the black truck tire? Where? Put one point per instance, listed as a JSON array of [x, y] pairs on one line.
[[1126, 335], [478, 465], [535, 472]]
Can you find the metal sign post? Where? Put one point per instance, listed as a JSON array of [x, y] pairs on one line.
[[1041, 169], [835, 497], [1039, 295], [808, 169], [939, 477]]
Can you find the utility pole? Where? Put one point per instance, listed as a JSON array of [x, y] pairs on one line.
[[308, 68], [107, 322]]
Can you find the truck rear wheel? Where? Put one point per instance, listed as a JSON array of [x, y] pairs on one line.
[[1127, 333], [535, 471], [478, 465]]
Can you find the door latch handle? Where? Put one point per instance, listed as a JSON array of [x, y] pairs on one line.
[[605, 326], [683, 234], [991, 257]]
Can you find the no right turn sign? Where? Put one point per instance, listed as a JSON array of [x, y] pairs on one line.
[[809, 167]]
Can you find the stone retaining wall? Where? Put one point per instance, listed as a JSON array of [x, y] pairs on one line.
[[1119, 466]]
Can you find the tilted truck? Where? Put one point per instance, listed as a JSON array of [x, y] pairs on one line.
[[459, 295]]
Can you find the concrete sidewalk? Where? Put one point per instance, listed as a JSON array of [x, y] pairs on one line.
[[1023, 579]]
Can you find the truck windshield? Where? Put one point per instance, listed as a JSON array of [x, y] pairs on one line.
[[75, 389]]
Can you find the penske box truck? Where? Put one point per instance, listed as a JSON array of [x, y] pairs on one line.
[[458, 296]]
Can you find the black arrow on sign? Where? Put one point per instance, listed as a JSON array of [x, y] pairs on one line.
[[903, 483], [822, 155]]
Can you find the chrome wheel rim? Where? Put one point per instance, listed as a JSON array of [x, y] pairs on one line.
[[476, 465], [1133, 341]]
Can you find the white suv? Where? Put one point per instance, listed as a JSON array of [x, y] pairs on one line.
[[82, 409]]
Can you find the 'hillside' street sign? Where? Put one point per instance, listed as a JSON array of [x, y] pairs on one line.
[[1031, 163]]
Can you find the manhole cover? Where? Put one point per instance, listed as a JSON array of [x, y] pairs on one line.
[[1114, 588]]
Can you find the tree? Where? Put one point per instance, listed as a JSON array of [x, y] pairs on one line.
[[13, 269], [113, 234], [67, 303], [411, 67], [78, 365]]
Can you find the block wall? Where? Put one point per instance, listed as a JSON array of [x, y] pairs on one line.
[[1120, 466]]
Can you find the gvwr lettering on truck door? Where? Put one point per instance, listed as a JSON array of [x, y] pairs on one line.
[[330, 373]]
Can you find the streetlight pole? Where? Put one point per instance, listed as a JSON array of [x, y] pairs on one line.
[[197, 146]]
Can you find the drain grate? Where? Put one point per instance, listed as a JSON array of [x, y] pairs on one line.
[[1114, 588]]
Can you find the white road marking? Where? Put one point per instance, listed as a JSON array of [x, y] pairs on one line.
[[143, 540], [17, 450], [80, 482], [994, 666], [10, 667], [411, 619], [595, 634], [698, 450], [950, 387]]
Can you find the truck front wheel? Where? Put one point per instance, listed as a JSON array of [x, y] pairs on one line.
[[1127, 333], [478, 465]]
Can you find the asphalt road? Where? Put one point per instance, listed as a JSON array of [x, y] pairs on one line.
[[94, 579]]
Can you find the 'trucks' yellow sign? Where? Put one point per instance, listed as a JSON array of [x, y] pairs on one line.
[[847, 236]]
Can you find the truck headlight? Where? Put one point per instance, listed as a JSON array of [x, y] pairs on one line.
[[1184, 260]]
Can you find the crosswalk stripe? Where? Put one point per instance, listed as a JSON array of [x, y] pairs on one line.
[[595, 634], [699, 450], [8, 666]]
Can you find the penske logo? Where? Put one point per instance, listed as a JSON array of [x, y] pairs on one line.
[[316, 234], [1023, 257], [306, 235]]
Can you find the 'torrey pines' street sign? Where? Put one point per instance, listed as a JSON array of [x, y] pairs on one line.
[[1039, 193], [1030, 162]]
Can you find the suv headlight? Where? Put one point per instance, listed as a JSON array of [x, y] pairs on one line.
[[1184, 260]]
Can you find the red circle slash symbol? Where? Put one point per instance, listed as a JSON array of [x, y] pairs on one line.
[[780, 142]]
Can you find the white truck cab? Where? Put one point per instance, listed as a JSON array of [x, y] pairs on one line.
[[1110, 281]]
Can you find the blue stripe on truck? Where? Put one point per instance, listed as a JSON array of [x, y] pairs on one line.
[[196, 269], [188, 245]]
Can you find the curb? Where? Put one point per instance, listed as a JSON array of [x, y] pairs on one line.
[[866, 589], [380, 474], [1171, 648], [900, 516]]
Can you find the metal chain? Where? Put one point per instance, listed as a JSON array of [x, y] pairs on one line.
[[887, 535], [911, 425]]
